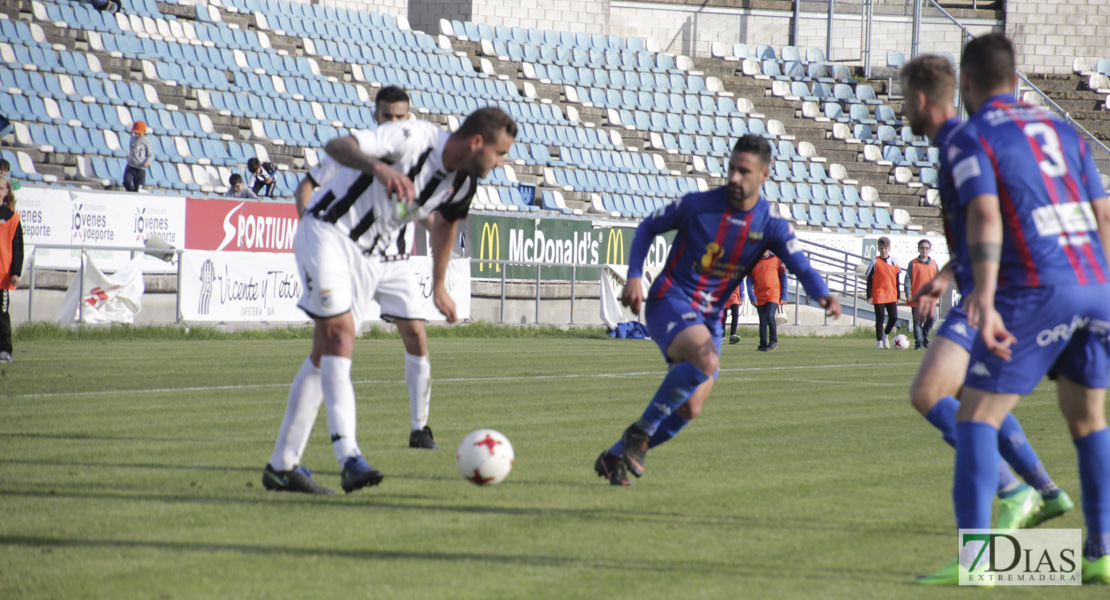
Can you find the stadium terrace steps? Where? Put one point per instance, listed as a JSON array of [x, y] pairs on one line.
[[1072, 93]]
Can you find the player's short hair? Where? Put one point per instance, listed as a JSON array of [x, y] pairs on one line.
[[884, 241], [932, 74], [253, 164], [391, 94], [925, 242], [235, 179], [753, 144], [5, 165], [989, 62], [486, 122]]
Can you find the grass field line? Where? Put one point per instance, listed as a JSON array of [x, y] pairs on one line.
[[247, 386]]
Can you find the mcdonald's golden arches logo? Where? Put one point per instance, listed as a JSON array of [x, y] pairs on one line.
[[614, 253], [492, 250]]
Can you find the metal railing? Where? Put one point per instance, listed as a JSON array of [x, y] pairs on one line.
[[155, 252]]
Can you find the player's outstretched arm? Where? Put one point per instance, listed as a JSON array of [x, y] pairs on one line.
[[347, 152], [443, 239], [632, 295], [984, 240]]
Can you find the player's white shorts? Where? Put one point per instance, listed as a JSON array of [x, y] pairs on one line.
[[339, 278]]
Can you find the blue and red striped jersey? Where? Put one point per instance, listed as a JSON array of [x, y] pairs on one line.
[[955, 225], [715, 246], [1044, 177]]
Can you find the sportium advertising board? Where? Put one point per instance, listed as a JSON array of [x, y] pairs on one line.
[[552, 241]]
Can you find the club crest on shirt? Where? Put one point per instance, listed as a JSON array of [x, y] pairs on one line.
[[708, 264]]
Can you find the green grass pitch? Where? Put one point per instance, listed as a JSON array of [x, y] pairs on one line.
[[131, 469]]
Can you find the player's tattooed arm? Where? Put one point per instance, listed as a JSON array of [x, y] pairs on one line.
[[985, 251]]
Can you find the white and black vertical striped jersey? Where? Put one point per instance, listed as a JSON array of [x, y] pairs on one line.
[[359, 206]]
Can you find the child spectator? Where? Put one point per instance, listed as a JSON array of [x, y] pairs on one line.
[[261, 175], [883, 293], [5, 170], [769, 286], [236, 189], [920, 271], [138, 159], [11, 263], [733, 305]]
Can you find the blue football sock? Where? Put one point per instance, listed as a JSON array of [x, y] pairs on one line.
[[1016, 450], [1094, 476], [943, 417], [1008, 483], [976, 474], [668, 429], [676, 389]]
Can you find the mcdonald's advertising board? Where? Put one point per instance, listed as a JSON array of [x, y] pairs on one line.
[[546, 241]]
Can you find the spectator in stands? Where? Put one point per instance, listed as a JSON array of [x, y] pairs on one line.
[[5, 170], [110, 6], [769, 286], [883, 292], [236, 189], [918, 273], [138, 158], [732, 305], [11, 263], [261, 176]]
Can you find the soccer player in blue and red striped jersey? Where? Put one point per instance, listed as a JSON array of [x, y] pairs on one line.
[[929, 84], [720, 235], [1038, 228]]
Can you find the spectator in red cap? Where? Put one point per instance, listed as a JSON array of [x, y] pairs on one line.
[[138, 158]]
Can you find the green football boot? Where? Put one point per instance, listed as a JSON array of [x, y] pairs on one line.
[[1017, 508], [949, 574], [1097, 571], [1050, 509]]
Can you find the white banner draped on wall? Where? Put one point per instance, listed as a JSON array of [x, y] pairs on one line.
[[261, 287]]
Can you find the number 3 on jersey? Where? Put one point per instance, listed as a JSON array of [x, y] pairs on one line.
[[1053, 163]]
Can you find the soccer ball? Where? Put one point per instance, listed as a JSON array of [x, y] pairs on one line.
[[901, 342], [484, 457]]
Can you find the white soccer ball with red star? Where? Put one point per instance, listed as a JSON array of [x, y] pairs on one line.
[[484, 457]]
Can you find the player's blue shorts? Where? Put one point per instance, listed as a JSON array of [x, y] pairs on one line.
[[955, 328], [1061, 328], [667, 317]]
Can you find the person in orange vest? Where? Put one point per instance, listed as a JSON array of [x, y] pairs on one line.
[[11, 263], [735, 300], [769, 288], [919, 272], [883, 292]]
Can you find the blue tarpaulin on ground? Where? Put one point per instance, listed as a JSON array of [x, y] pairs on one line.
[[630, 330]]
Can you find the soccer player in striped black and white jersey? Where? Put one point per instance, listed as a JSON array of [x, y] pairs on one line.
[[392, 104], [393, 175]]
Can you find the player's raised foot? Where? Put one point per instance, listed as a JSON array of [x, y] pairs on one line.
[[357, 474], [297, 480], [1017, 507], [635, 449], [1056, 506], [6, 357], [611, 468], [949, 574], [734, 339], [1096, 571], [422, 438]]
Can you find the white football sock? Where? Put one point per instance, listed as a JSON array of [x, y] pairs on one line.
[[339, 395], [418, 376], [300, 415]]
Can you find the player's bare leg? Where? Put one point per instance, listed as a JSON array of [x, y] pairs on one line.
[[418, 377], [1084, 409]]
